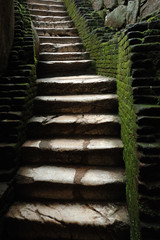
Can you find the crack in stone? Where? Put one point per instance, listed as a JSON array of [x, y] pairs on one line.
[[95, 210], [86, 143], [46, 120]]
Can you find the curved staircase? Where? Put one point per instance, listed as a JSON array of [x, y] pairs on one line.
[[71, 184]]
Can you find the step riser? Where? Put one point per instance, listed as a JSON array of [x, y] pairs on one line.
[[46, 7], [58, 3], [50, 18], [55, 48], [37, 231], [56, 32], [44, 190], [61, 69], [109, 157], [48, 13], [51, 107], [53, 24], [107, 129], [61, 57], [60, 40], [49, 89]]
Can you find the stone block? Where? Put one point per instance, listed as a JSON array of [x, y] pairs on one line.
[[97, 4], [110, 4]]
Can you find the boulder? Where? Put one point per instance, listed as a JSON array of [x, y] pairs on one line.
[[132, 11], [148, 7], [117, 17], [122, 2], [97, 4], [111, 4]]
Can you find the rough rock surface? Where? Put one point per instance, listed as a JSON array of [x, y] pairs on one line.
[[149, 7], [117, 17], [97, 4], [110, 4], [132, 11]]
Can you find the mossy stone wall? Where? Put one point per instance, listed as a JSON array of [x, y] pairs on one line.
[[17, 91]]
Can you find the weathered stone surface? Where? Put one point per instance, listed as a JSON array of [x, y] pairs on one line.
[[117, 17], [122, 2], [37, 18], [76, 85], [49, 24], [110, 4], [47, 2], [81, 221], [45, 56], [76, 104], [48, 13], [47, 7], [71, 182], [132, 11], [149, 7], [70, 47], [57, 31], [95, 151], [49, 126], [59, 40], [97, 4], [6, 31]]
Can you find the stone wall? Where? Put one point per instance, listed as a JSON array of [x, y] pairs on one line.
[[132, 56], [119, 13], [17, 91], [6, 31]]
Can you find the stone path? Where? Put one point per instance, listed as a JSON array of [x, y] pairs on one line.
[[71, 184]]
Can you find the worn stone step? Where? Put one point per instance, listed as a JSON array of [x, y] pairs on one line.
[[93, 103], [59, 40], [48, 2], [57, 31], [79, 221], [45, 56], [71, 183], [52, 47], [53, 68], [49, 18], [46, 7], [57, 24], [86, 124], [47, 13], [86, 151], [76, 85]]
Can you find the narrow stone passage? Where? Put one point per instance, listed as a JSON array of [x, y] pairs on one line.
[[71, 184]]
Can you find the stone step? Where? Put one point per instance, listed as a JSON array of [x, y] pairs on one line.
[[79, 221], [46, 7], [86, 124], [82, 84], [53, 68], [49, 18], [56, 31], [52, 47], [93, 103], [47, 13], [57, 24], [48, 2], [86, 151], [45, 56], [59, 40], [70, 183]]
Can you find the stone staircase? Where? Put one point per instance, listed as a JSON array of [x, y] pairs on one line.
[[71, 184]]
